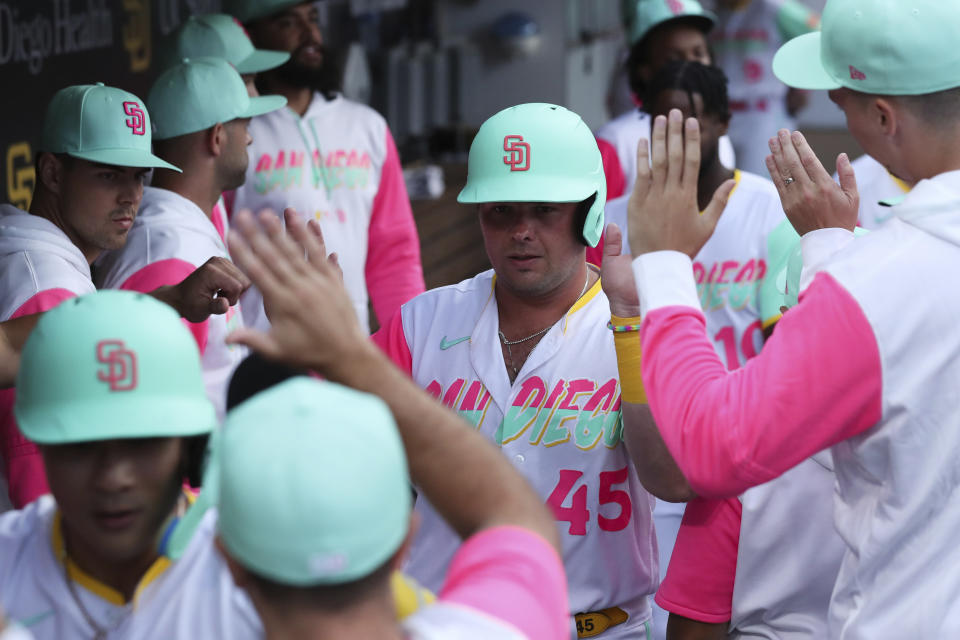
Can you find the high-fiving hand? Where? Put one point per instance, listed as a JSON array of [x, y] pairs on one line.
[[810, 197], [313, 322], [662, 211]]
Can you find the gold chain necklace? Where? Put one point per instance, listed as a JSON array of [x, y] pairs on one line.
[[509, 343]]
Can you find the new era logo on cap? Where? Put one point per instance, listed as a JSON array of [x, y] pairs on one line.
[[121, 365], [856, 74], [518, 153], [136, 121]]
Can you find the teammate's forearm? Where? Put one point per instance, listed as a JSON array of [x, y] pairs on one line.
[[656, 468], [465, 478]]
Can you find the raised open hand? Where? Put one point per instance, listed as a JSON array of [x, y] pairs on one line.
[[662, 210]]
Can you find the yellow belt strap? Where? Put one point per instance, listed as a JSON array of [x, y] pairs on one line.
[[596, 622]]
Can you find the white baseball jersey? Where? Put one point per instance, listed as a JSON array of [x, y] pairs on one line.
[[171, 236], [441, 621], [766, 561], [875, 183], [731, 266], [338, 164], [193, 597], [789, 555], [560, 425], [36, 257], [624, 133], [39, 268]]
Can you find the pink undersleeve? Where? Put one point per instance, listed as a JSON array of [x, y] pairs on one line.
[[818, 381]]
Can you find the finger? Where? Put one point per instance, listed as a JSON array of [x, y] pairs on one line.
[[811, 164], [250, 263], [791, 160], [334, 261], [643, 162], [658, 150], [775, 176], [257, 341], [848, 178], [219, 306], [691, 155], [711, 215], [776, 151], [230, 288], [675, 147], [310, 242], [613, 241], [291, 216], [270, 223], [277, 251]]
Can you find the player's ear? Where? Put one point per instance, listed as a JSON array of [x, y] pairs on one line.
[[50, 170], [216, 139], [885, 116]]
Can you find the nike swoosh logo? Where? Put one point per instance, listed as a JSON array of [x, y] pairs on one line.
[[37, 619], [444, 345]]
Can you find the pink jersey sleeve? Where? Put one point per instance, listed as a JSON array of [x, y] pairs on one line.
[[26, 479], [818, 381], [393, 341], [163, 273], [703, 567], [513, 575], [393, 271]]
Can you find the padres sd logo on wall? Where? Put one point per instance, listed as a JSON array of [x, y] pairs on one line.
[[21, 175], [136, 34]]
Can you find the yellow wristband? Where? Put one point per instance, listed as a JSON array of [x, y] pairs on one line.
[[627, 345]]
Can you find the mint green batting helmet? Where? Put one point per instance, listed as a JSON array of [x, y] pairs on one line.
[[110, 365], [885, 47], [537, 152], [329, 501], [648, 14]]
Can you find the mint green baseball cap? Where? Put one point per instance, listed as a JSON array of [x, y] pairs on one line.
[[102, 124], [220, 36], [111, 364], [885, 47], [197, 93], [537, 152], [653, 13], [250, 10], [330, 499]]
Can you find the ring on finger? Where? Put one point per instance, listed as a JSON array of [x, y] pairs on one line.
[[788, 180]]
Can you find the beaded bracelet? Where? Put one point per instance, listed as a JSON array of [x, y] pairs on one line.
[[623, 328]]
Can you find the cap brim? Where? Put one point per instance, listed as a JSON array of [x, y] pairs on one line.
[[798, 64], [124, 158], [51, 424], [262, 60], [263, 104]]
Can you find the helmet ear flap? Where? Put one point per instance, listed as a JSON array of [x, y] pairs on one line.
[[592, 229], [583, 218]]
